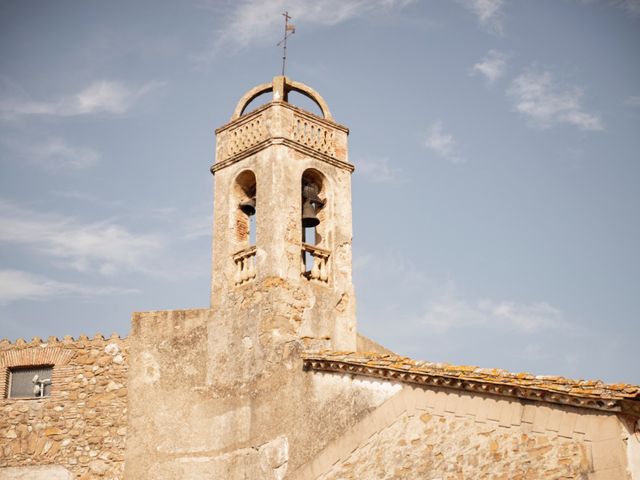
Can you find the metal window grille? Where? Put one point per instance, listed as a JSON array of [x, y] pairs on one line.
[[30, 382]]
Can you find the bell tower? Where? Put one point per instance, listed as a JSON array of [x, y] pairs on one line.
[[282, 223], [221, 392]]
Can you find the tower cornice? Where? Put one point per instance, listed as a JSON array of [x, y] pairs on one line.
[[280, 123]]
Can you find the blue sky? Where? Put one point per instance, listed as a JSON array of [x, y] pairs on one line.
[[495, 142]]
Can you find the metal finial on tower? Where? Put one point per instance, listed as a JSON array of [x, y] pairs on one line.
[[289, 29]]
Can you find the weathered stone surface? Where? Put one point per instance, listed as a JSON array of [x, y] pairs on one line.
[[83, 413], [49, 472], [431, 447]]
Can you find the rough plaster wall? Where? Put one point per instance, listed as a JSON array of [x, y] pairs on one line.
[[633, 448], [429, 447], [196, 414], [82, 425]]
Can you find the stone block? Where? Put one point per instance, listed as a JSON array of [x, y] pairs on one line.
[[554, 419], [516, 413], [506, 410], [439, 402], [451, 402], [608, 454], [603, 427], [610, 474], [567, 424], [540, 420], [494, 407], [528, 413], [48, 472]]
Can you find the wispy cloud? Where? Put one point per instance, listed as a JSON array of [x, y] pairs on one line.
[[105, 247], [492, 66], [452, 312], [548, 103], [16, 285], [250, 21], [88, 198], [632, 101], [54, 154], [442, 144], [489, 12], [632, 7], [380, 171], [103, 96]]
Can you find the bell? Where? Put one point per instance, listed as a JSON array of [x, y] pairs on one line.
[[248, 207], [310, 192], [309, 217]]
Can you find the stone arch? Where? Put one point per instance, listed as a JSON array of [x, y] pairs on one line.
[[280, 87], [244, 190], [314, 176], [316, 241]]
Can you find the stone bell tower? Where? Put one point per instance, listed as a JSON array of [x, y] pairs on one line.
[[282, 221], [221, 392]]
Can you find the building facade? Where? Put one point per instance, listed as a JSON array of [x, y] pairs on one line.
[[273, 381]]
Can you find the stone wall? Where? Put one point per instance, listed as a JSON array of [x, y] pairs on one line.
[[438, 434], [219, 397], [81, 426]]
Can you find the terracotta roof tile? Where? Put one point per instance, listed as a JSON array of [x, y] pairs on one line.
[[596, 393]]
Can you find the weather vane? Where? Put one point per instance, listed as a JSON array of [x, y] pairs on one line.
[[289, 29]]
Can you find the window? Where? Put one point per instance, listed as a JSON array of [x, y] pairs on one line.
[[30, 382]]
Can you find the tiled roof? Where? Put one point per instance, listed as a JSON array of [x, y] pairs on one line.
[[580, 393]]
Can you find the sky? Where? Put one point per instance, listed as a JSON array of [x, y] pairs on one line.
[[496, 145]]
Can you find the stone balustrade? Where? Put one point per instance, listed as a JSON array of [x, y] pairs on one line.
[[313, 135], [245, 265], [246, 135], [320, 263], [281, 123]]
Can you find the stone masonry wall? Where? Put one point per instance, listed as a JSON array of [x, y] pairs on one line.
[[81, 426], [435, 434], [431, 447]]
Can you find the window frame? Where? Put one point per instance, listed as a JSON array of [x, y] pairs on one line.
[[22, 368]]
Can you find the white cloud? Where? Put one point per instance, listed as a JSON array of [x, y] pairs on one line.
[[450, 312], [539, 97], [492, 66], [380, 171], [100, 97], [104, 247], [17, 285], [251, 21], [442, 144], [489, 13], [55, 154]]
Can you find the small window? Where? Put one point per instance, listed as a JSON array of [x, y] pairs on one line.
[[30, 382]]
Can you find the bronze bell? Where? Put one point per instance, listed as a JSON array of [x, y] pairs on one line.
[[248, 207], [309, 217], [310, 192]]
